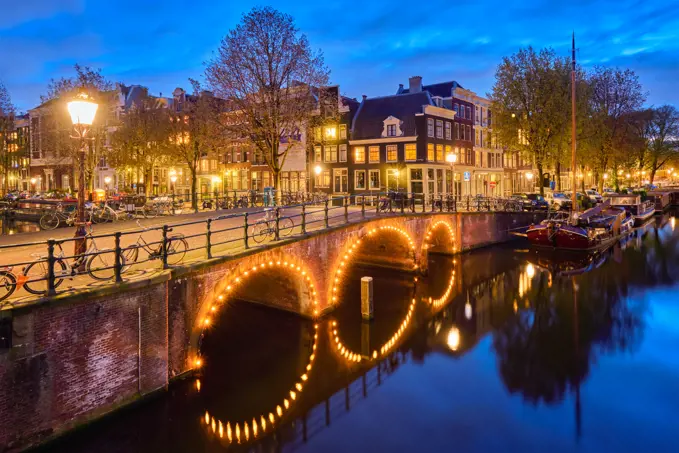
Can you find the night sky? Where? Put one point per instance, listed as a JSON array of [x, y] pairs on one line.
[[370, 46]]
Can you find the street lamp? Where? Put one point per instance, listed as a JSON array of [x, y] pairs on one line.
[[82, 110], [173, 180], [107, 181], [452, 158]]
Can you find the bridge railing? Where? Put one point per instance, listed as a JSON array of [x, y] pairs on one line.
[[40, 269]]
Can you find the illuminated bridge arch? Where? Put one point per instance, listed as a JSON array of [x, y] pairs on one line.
[[436, 226]]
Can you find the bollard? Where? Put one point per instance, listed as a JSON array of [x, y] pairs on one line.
[[367, 298], [303, 219], [208, 238], [245, 230]]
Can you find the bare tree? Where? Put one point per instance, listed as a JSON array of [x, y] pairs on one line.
[[6, 127], [267, 72], [142, 140], [663, 135]]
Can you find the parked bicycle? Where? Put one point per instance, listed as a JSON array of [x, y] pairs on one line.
[[266, 227], [9, 282], [52, 219], [176, 249], [98, 264]]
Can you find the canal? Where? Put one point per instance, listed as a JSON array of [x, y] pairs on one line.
[[501, 349]]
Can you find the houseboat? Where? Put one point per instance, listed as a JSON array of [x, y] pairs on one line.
[[640, 210], [595, 229], [661, 200]]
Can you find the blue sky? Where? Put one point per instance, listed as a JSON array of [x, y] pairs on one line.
[[370, 46]]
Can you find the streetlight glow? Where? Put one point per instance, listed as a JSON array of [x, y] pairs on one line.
[[529, 176], [173, 179], [451, 158], [317, 170], [82, 110]]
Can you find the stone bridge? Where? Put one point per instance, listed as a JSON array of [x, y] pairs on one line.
[[76, 357]]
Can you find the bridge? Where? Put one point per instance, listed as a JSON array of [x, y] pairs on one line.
[[71, 355]]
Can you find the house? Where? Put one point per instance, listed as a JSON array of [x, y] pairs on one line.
[[16, 155]]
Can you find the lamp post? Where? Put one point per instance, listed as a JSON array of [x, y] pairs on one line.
[[529, 177], [82, 110], [107, 181], [317, 171], [173, 180], [452, 158]]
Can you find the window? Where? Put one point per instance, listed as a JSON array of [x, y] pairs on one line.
[[411, 151], [457, 131], [392, 152], [416, 180], [330, 132], [331, 153], [374, 154], [470, 157], [317, 154], [462, 134], [343, 131], [439, 153], [391, 130], [456, 107], [491, 160], [448, 133], [476, 109], [359, 180], [317, 134], [439, 129], [359, 155], [341, 180], [449, 150], [374, 180], [430, 127], [343, 153], [430, 152], [323, 180], [481, 139], [469, 133], [476, 137], [392, 179], [469, 113]]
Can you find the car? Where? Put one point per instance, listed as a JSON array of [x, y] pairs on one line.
[[539, 202], [559, 201], [594, 196], [527, 203]]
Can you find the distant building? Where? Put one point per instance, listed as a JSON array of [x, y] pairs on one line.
[[16, 156]]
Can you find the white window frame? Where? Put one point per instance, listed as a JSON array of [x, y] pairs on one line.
[[370, 173], [342, 153], [370, 160], [449, 130], [387, 153], [365, 181], [335, 172], [439, 129], [343, 131], [430, 127]]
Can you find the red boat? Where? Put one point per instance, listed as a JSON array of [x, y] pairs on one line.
[[594, 229]]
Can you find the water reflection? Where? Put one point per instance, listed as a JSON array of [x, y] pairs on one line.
[[10, 227], [502, 337]]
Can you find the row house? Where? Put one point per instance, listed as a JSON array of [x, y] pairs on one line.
[[16, 155]]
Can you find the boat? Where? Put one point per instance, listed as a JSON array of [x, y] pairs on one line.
[[661, 199], [594, 229], [640, 210]]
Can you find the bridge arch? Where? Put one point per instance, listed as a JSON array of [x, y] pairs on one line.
[[436, 226], [235, 279], [242, 431]]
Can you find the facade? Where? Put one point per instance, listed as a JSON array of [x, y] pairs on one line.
[[16, 156]]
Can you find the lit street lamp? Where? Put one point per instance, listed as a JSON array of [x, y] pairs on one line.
[[82, 111], [452, 158], [107, 181]]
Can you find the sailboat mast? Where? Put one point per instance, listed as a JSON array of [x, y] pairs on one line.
[[573, 145]]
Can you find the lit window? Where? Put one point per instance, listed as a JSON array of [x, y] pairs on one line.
[[359, 180], [439, 153], [359, 155], [331, 153], [411, 151], [317, 134], [374, 154], [330, 132], [430, 152], [374, 180], [317, 154], [392, 153], [343, 131]]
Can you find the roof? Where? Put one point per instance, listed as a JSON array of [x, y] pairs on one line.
[[368, 122], [443, 89]]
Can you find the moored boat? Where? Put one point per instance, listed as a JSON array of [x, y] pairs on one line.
[[594, 229], [661, 200], [640, 210]]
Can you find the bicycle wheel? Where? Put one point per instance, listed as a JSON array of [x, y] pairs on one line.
[[176, 249], [96, 215], [8, 284], [107, 214], [130, 255], [260, 231], [37, 276], [285, 227], [150, 211], [49, 221], [100, 266]]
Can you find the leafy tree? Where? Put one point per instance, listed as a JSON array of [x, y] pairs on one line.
[[267, 72], [6, 126], [142, 140], [663, 137], [530, 98]]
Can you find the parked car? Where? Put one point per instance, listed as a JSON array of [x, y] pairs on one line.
[[594, 196], [539, 202], [559, 201], [527, 203]]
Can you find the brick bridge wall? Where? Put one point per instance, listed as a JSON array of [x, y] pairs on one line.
[[78, 357]]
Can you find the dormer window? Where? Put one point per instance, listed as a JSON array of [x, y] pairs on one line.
[[392, 127], [391, 130]]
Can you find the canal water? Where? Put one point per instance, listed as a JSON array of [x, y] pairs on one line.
[[499, 350], [10, 226]]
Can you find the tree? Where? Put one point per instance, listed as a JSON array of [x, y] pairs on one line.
[[530, 98], [615, 95], [59, 91], [142, 139], [6, 127], [663, 137], [193, 132], [267, 72]]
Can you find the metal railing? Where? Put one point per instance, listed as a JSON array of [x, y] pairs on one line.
[[109, 257]]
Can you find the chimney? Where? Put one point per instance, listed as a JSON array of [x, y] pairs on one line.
[[415, 84], [365, 97]]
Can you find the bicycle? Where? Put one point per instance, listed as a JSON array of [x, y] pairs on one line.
[[98, 265], [9, 282], [176, 248], [267, 227], [52, 219]]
